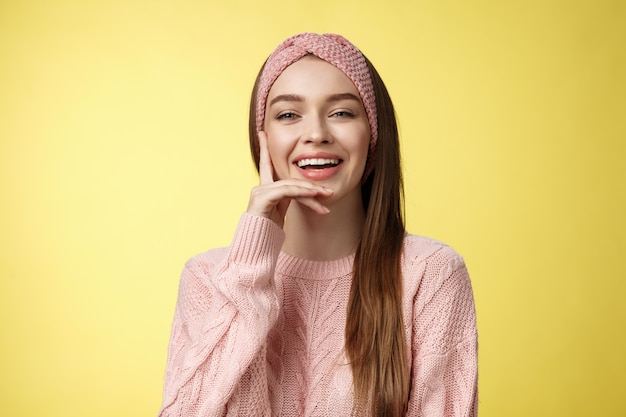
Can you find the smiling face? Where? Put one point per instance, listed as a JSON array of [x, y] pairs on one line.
[[317, 127]]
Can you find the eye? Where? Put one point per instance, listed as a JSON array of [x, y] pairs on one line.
[[343, 114], [286, 116]]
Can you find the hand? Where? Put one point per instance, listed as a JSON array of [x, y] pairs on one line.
[[271, 198]]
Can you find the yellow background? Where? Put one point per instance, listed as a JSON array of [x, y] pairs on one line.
[[123, 153]]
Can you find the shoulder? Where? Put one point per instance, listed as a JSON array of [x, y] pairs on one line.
[[428, 263], [204, 262], [420, 249], [198, 270]]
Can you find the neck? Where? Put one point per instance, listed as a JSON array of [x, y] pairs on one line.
[[327, 237]]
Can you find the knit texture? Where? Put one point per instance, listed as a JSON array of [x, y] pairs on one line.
[[258, 332], [334, 49]]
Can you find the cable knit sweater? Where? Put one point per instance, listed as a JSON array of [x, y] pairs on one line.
[[258, 332]]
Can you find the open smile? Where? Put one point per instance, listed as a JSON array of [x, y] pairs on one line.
[[318, 163]]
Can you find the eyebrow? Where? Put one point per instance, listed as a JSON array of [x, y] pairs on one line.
[[344, 96], [286, 97], [297, 98]]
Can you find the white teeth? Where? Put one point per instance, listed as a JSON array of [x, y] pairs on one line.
[[317, 162]]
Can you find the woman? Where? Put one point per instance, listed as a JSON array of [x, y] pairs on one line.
[[323, 305]]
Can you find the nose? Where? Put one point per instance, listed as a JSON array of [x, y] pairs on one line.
[[316, 131]]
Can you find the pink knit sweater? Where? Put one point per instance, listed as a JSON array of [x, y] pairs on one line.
[[258, 332]]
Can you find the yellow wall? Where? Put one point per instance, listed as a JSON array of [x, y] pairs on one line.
[[123, 152]]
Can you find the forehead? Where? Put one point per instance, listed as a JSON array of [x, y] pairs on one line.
[[312, 75]]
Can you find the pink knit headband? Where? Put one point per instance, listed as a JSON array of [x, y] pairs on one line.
[[333, 49]]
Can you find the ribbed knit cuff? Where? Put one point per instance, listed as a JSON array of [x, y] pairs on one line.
[[256, 239]]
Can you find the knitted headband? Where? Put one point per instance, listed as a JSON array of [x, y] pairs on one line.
[[335, 50]]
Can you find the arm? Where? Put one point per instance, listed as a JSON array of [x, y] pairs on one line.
[[444, 372], [223, 315], [226, 309]]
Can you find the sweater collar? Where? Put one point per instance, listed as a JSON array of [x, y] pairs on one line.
[[294, 267]]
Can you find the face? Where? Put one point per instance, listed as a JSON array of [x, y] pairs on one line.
[[317, 127]]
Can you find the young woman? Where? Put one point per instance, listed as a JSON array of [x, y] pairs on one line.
[[323, 305]]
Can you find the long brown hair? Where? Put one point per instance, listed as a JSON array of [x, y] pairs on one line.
[[374, 330]]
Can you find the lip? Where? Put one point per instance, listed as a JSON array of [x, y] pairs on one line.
[[318, 155], [317, 174]]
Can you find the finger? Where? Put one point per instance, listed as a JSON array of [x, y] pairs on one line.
[[278, 191], [306, 194], [314, 205], [264, 198], [266, 169]]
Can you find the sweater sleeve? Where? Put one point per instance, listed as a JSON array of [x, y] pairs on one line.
[[226, 307], [444, 372]]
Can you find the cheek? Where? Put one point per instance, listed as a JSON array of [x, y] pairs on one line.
[[363, 152], [279, 154], [361, 147]]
